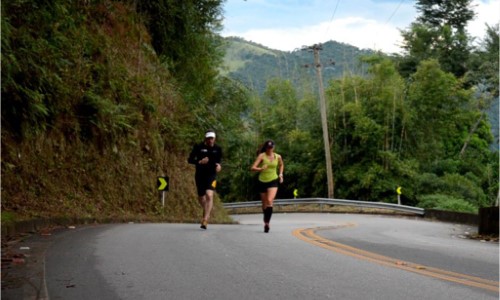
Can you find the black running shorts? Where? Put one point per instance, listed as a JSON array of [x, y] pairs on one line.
[[204, 183], [263, 186]]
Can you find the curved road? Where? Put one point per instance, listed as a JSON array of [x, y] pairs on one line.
[[305, 256]]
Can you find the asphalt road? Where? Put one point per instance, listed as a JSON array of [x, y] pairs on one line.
[[305, 256]]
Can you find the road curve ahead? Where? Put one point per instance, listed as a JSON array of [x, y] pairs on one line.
[[305, 256]]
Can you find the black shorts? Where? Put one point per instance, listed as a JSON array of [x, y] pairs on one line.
[[204, 183], [263, 186]]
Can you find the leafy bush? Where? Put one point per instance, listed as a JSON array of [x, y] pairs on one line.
[[445, 202], [460, 186], [444, 166], [453, 185]]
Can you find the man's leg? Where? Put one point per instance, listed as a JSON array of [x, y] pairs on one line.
[[208, 204], [202, 200]]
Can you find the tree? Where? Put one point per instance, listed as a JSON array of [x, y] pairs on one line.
[[439, 13], [368, 120], [439, 33], [184, 34], [277, 112], [228, 115], [485, 62], [436, 97]]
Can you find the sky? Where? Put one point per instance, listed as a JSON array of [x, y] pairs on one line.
[[289, 25]]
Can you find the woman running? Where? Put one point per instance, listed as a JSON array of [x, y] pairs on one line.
[[267, 164]]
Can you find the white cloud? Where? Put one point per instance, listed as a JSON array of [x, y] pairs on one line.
[[366, 33], [487, 12], [362, 31], [359, 32]]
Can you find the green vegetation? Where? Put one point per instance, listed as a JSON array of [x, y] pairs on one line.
[[8, 218], [91, 114], [418, 120], [239, 53], [445, 202], [386, 132], [101, 97]]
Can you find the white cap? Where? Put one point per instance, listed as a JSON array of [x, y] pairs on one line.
[[210, 134]]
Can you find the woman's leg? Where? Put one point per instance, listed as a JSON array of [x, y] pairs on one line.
[[265, 210], [268, 207], [271, 194], [263, 198]]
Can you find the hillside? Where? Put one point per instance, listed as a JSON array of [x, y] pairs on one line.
[[240, 52], [254, 64], [91, 117]]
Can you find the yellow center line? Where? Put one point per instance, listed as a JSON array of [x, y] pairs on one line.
[[309, 235]]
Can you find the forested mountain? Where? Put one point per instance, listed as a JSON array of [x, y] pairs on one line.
[[254, 64]]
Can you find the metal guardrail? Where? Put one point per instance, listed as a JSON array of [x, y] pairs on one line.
[[390, 206]]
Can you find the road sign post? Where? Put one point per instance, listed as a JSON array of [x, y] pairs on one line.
[[398, 190], [295, 194], [162, 184]]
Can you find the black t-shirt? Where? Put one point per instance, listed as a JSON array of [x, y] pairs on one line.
[[201, 151]]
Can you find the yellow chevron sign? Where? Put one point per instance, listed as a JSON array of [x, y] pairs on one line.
[[162, 183], [398, 190]]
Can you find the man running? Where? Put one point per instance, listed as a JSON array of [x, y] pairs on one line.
[[206, 156]]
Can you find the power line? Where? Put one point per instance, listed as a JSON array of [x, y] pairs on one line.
[[331, 19], [394, 12]]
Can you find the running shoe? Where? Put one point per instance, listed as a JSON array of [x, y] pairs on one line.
[[266, 228], [204, 224]]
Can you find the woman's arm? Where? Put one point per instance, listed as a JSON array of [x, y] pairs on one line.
[[281, 167], [255, 166]]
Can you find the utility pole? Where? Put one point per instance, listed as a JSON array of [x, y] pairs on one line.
[[326, 141]]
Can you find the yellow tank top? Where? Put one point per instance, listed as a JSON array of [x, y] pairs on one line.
[[270, 173]]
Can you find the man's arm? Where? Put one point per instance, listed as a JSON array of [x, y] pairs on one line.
[[218, 160], [193, 159]]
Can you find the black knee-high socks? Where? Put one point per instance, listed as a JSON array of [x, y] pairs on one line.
[[268, 212]]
